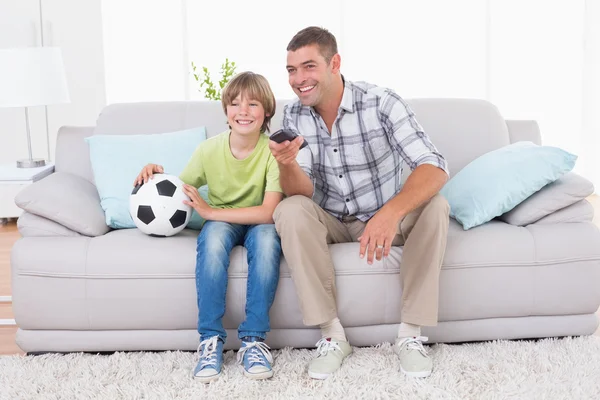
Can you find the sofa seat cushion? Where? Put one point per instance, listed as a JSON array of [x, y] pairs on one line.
[[128, 280]]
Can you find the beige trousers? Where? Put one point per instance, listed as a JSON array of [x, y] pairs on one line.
[[306, 230]]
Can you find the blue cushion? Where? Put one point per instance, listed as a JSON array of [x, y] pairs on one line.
[[118, 159], [498, 181]]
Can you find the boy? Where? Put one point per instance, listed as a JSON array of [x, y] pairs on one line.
[[243, 182]]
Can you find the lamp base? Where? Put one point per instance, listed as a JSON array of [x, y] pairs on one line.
[[31, 163]]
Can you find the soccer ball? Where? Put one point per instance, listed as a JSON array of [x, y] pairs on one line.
[[157, 207]]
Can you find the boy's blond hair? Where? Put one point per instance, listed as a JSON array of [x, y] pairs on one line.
[[254, 87]]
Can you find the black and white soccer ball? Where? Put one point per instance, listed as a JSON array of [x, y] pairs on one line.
[[157, 207]]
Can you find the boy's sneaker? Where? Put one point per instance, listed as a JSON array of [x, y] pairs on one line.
[[330, 354], [256, 358], [211, 360], [414, 360]]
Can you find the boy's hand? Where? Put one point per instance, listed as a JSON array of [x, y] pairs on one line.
[[147, 173], [285, 152], [197, 202]]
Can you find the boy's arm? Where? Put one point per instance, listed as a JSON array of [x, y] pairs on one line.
[[193, 174], [262, 214]]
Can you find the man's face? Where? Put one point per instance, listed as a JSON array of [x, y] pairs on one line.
[[309, 74]]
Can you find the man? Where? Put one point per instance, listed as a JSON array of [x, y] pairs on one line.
[[346, 186]]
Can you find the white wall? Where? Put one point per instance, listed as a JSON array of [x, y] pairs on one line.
[[76, 27], [144, 50], [524, 56]]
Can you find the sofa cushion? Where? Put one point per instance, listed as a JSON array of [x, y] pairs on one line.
[[495, 270], [66, 199], [461, 129], [567, 190], [30, 224], [118, 159], [497, 181], [582, 211]]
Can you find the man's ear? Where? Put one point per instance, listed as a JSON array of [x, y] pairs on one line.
[[336, 62]]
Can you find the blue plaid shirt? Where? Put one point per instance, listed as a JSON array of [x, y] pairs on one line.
[[358, 168]]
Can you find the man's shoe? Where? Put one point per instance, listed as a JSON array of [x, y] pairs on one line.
[[211, 360], [414, 361], [256, 358], [330, 354]]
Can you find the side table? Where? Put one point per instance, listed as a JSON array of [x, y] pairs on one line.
[[12, 181]]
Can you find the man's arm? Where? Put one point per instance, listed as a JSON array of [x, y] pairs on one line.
[[430, 173], [422, 184], [293, 179]]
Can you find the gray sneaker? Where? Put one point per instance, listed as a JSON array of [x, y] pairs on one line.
[[330, 354], [414, 361]]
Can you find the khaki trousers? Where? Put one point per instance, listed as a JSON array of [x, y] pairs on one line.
[[306, 230]]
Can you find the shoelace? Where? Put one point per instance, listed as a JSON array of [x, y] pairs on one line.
[[255, 349], [324, 346], [416, 343], [208, 356]]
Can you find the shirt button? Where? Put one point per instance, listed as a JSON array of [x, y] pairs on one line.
[[340, 176], [335, 150], [347, 200]]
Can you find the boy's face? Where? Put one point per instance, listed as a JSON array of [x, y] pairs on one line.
[[245, 116], [310, 76]]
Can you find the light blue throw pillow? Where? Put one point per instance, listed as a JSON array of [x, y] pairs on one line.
[[118, 159], [498, 181]]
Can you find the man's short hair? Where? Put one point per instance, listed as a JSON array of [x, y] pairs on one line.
[[253, 87], [315, 35]]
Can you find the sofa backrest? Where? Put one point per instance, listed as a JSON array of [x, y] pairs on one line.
[[461, 129]]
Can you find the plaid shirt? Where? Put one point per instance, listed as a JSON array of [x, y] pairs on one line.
[[358, 168]]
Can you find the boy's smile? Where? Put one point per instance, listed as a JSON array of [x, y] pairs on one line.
[[245, 116]]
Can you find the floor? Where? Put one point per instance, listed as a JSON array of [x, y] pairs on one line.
[[9, 235]]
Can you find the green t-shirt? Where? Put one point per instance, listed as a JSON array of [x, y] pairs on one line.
[[232, 183]]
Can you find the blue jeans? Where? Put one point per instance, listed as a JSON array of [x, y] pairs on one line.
[[215, 242]]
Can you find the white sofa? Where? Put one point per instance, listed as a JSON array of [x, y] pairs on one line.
[[79, 286]]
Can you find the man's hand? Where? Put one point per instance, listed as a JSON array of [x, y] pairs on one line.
[[378, 235], [197, 202], [285, 153]]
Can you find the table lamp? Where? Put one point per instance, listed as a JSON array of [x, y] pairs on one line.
[[32, 76]]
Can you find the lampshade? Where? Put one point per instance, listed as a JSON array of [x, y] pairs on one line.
[[32, 76]]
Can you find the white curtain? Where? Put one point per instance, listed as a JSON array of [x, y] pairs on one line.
[[590, 115], [533, 59]]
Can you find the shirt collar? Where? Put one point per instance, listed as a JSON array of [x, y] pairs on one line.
[[347, 103]]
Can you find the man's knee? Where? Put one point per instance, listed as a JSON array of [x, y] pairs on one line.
[[290, 208], [439, 204]]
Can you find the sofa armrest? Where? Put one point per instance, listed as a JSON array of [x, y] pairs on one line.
[[565, 191], [524, 130], [30, 224], [68, 200]]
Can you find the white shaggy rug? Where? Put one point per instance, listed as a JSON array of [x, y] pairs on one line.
[[554, 369]]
